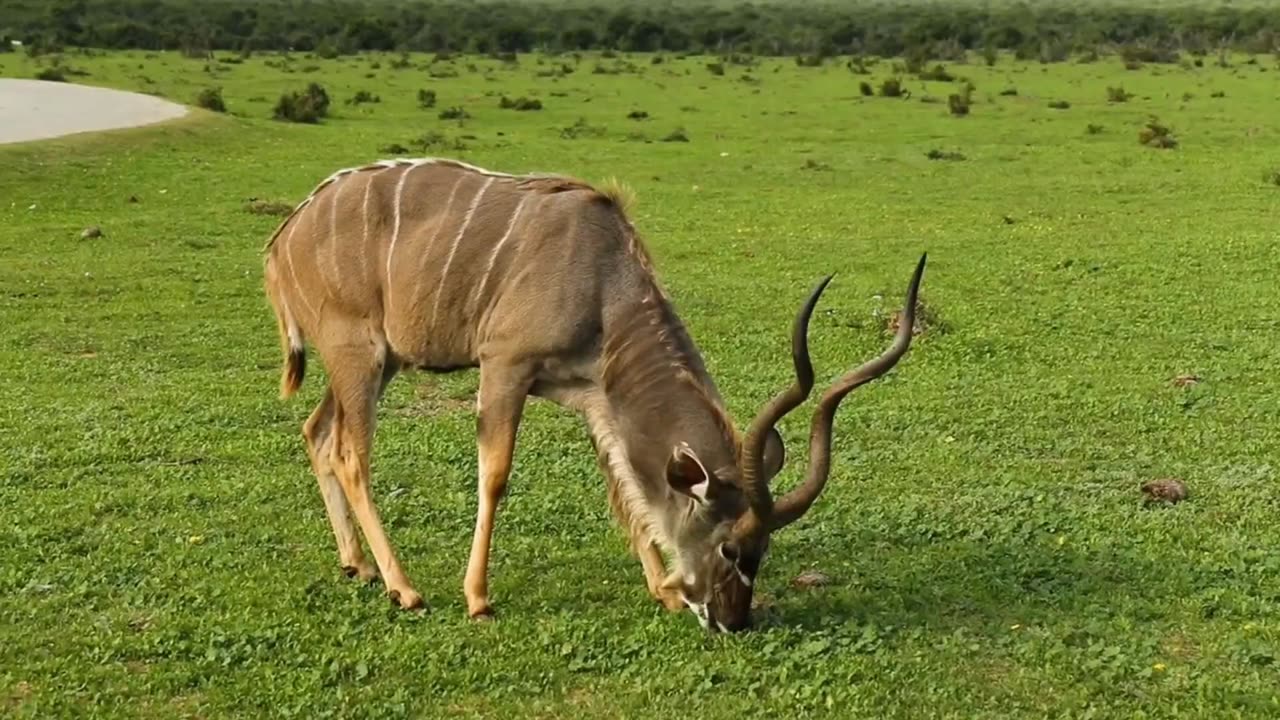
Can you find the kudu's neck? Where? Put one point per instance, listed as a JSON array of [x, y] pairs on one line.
[[659, 391]]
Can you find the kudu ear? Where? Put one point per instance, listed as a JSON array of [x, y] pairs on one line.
[[687, 474], [775, 454]]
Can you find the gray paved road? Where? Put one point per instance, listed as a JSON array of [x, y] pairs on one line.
[[36, 110]]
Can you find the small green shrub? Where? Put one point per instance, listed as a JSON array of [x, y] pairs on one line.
[[1144, 54], [677, 135], [211, 99], [891, 87], [304, 107], [438, 141], [865, 88], [1093, 129], [937, 73], [362, 97], [522, 104], [1059, 104], [1156, 135], [581, 129], [958, 103], [1118, 95], [52, 74], [426, 99], [454, 113]]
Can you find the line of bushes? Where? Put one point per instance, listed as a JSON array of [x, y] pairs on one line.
[[1049, 30]]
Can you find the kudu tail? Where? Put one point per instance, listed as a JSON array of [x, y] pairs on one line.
[[295, 362], [291, 340]]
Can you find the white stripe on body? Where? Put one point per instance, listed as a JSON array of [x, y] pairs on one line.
[[288, 256], [453, 249], [333, 236], [493, 257], [426, 251], [395, 228]]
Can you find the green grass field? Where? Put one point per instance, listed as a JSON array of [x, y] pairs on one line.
[[166, 552]]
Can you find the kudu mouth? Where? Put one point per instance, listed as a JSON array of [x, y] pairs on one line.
[[711, 624]]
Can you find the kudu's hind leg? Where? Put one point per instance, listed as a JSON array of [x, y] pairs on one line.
[[499, 405], [359, 373], [320, 436]]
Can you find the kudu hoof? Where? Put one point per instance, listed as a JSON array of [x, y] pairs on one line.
[[364, 571], [483, 614], [407, 599]]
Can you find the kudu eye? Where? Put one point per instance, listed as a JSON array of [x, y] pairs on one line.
[[729, 552]]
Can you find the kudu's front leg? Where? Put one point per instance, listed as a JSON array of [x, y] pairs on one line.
[[655, 573], [499, 405]]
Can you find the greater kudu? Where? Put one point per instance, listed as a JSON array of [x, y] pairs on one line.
[[543, 284]]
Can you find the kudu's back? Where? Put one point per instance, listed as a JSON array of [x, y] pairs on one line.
[[447, 262]]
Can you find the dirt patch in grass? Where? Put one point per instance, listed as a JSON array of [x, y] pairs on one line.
[[928, 320], [431, 399], [255, 206]]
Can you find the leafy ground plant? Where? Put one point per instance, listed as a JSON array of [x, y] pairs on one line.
[[1157, 135]]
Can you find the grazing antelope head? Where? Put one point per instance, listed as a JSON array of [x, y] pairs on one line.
[[543, 284], [724, 534]]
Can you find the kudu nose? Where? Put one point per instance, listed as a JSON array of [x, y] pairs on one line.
[[733, 626]]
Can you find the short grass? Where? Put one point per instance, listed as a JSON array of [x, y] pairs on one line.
[[166, 551]]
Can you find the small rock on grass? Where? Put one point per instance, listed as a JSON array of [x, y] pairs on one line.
[[811, 579], [1168, 491], [93, 231]]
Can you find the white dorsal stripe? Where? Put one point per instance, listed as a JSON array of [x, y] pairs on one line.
[[395, 227], [453, 249], [493, 256], [380, 166]]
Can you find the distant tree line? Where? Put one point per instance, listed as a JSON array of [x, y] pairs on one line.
[[1048, 31]]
